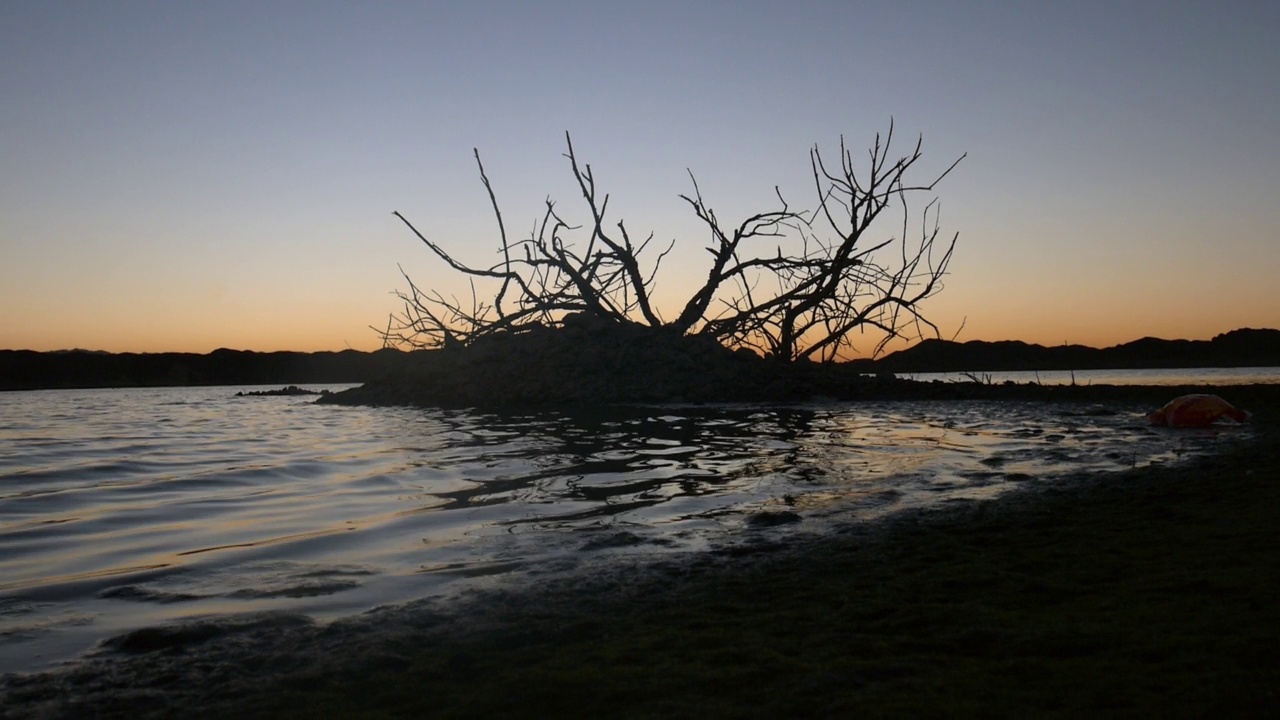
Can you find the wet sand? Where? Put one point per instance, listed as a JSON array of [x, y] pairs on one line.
[[1153, 592]]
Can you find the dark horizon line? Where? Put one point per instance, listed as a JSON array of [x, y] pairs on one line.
[[65, 351]]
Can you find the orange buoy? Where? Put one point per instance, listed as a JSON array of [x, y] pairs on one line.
[[1196, 411]]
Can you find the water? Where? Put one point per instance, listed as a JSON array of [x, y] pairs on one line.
[[127, 508], [1165, 376]]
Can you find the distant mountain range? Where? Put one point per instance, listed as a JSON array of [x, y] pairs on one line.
[[1238, 348], [28, 370]]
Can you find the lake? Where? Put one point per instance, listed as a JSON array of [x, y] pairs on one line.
[[126, 508], [1162, 376]]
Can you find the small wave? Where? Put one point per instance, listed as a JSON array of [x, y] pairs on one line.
[[153, 639], [302, 590], [34, 623], [337, 572], [476, 569], [263, 542], [622, 539], [137, 593]]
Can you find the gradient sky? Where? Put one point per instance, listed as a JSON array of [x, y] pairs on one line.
[[187, 176]]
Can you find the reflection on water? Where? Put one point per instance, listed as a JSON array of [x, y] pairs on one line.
[[1216, 377], [121, 508]]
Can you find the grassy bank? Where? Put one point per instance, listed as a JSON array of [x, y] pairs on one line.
[[1149, 593]]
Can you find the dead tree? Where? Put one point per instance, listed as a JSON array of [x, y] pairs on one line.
[[803, 302], [540, 279]]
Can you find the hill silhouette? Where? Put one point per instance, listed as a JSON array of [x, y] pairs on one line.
[[29, 370], [1246, 347], [604, 363]]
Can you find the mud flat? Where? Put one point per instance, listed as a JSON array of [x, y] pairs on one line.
[[1149, 592]]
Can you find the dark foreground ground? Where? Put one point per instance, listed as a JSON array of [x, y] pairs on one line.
[[1149, 593]]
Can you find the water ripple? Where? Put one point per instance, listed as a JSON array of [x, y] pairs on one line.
[[120, 508]]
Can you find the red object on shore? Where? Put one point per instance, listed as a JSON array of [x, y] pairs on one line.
[[1196, 411]]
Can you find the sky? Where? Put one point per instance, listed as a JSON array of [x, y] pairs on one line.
[[187, 176]]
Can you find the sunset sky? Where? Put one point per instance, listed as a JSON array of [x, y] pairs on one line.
[[182, 176]]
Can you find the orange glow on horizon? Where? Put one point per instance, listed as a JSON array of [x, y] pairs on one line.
[[301, 341]]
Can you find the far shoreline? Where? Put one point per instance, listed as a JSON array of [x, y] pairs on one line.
[[83, 369]]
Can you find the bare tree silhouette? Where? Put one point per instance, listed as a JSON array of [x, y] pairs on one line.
[[785, 283]]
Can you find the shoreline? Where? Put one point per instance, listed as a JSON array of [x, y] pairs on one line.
[[1148, 591], [79, 368]]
